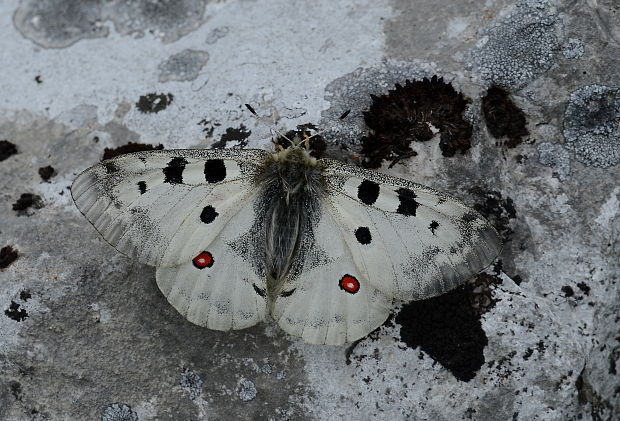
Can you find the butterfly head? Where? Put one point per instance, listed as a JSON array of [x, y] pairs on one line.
[[297, 153]]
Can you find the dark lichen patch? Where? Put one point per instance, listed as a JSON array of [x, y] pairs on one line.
[[498, 210], [27, 201], [154, 103], [7, 149], [568, 291], [16, 312], [128, 148], [481, 299], [47, 172], [239, 136], [528, 353], [7, 256], [503, 117], [591, 127], [316, 144], [584, 288], [409, 113], [208, 127], [448, 329], [25, 295]]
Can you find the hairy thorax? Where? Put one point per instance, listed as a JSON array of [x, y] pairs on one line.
[[293, 187]]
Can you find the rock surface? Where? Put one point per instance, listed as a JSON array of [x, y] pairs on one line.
[[85, 333]]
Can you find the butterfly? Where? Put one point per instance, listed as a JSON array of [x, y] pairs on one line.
[[322, 246]]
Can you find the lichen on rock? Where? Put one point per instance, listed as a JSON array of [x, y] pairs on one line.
[[520, 46], [591, 128]]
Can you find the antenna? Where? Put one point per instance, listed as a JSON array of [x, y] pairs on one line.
[[262, 120], [342, 117], [307, 139]]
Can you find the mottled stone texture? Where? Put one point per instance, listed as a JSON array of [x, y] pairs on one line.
[[85, 334]]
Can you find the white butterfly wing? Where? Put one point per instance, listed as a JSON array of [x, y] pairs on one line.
[[410, 241], [162, 207], [223, 287], [327, 299]]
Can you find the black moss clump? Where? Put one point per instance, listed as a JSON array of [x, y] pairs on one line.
[[154, 103], [448, 329], [407, 113], [7, 256], [47, 172], [128, 148], [503, 117], [239, 136], [27, 201], [7, 149]]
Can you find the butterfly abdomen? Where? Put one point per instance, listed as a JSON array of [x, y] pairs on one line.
[[292, 188]]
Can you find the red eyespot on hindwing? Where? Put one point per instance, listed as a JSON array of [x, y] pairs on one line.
[[349, 283], [203, 260]]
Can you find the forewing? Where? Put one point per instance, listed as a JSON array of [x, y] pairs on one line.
[[223, 287], [411, 241], [327, 299], [161, 207]]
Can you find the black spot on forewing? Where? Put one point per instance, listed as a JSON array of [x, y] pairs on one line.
[[433, 226], [208, 214], [215, 170], [110, 167], [142, 186], [407, 205], [368, 192], [287, 293], [259, 291], [363, 235], [173, 172]]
